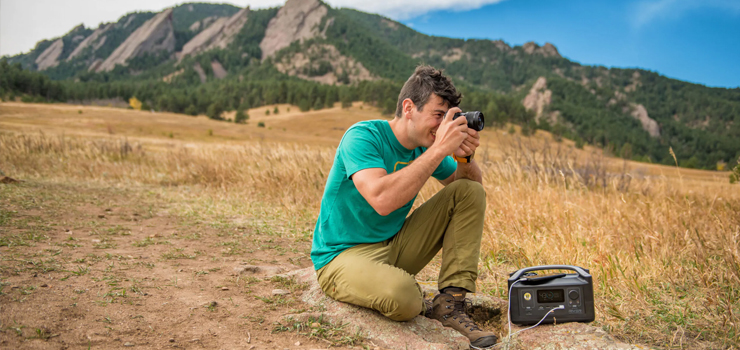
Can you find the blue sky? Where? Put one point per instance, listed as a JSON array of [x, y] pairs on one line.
[[692, 40], [696, 41]]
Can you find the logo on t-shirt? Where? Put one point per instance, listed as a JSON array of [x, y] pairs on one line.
[[401, 165]]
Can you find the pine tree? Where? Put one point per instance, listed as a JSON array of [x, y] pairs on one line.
[[241, 117]]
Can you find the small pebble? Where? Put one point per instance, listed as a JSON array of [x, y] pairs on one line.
[[44, 285], [297, 343], [128, 344], [315, 325], [172, 340], [280, 292], [224, 288], [96, 241]]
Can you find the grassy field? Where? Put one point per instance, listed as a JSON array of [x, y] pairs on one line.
[[662, 243]]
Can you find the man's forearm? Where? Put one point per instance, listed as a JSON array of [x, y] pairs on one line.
[[469, 171], [394, 190]]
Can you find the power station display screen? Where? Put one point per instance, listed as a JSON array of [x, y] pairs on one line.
[[550, 296]]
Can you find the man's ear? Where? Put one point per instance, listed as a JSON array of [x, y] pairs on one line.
[[408, 105]]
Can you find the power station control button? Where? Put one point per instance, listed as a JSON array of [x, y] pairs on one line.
[[573, 295], [527, 296]]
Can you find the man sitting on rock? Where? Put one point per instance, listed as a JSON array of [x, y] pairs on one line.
[[366, 250]]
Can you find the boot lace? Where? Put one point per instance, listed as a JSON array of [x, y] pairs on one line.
[[460, 314]]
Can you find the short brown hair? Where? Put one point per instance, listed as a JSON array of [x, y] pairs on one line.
[[425, 81]]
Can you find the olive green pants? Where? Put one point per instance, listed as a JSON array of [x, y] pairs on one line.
[[380, 276]]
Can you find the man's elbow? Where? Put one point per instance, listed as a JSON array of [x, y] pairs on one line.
[[383, 208]]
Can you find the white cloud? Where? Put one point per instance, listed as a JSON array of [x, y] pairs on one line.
[[654, 10], [404, 9], [25, 22]]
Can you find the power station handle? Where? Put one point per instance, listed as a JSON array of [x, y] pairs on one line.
[[543, 279], [518, 274]]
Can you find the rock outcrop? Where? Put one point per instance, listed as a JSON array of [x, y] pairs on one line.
[[538, 98], [424, 333], [204, 23], [549, 50], [454, 55], [650, 125], [130, 19], [96, 39], [201, 73], [311, 59], [156, 34], [501, 45], [50, 57], [637, 111], [217, 35], [296, 20], [635, 82], [218, 70]]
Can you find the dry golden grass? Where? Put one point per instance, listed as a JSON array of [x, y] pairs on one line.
[[663, 244]]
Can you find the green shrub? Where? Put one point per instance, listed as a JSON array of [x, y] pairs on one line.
[[241, 117], [191, 110], [735, 175]]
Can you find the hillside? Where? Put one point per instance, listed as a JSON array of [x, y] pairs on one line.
[[199, 57]]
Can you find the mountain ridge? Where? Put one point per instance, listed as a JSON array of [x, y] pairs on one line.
[[634, 112]]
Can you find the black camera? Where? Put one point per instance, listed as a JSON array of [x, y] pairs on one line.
[[475, 119]]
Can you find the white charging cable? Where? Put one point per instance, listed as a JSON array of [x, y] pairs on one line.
[[508, 338]]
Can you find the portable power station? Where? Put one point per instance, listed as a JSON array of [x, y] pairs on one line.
[[568, 296]]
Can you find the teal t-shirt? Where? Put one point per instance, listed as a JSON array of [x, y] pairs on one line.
[[346, 218]]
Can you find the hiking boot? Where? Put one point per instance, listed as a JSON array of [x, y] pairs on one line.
[[449, 308], [428, 308]]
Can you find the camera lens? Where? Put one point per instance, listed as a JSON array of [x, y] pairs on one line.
[[475, 120]]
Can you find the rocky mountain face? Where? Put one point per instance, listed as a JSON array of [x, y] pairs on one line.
[[538, 98], [50, 56], [298, 20], [217, 35], [648, 124], [549, 50], [323, 63], [153, 36], [95, 40]]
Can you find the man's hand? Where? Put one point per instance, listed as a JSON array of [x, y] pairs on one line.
[[469, 145], [451, 134]]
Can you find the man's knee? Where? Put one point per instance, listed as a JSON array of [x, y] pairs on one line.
[[469, 190], [404, 300]]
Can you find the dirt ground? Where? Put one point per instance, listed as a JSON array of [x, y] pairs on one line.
[[86, 266]]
